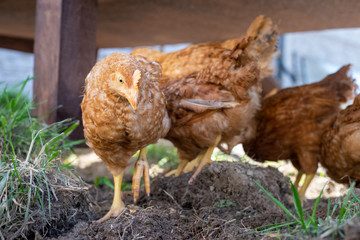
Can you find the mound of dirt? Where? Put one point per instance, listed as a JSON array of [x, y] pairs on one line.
[[69, 204], [223, 202]]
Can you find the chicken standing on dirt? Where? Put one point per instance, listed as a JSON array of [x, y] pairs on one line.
[[340, 151], [123, 111], [213, 91], [292, 122]]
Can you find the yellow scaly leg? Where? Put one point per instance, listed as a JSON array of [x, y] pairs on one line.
[[297, 180], [308, 179], [117, 205]]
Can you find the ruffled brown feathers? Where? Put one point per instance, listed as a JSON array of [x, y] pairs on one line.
[[340, 153], [113, 128], [290, 124]]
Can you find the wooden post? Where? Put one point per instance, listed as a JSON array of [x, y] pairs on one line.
[[65, 51]]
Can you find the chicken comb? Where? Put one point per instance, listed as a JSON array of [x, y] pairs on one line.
[[136, 78]]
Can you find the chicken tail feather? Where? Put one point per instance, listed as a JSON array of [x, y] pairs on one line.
[[342, 83]]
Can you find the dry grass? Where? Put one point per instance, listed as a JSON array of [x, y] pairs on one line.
[[30, 173]]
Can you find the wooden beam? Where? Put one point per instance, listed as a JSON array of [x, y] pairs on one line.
[[128, 23], [65, 51], [19, 44]]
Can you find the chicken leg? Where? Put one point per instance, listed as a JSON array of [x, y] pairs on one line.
[[141, 169], [308, 179], [297, 180], [117, 205], [205, 159]]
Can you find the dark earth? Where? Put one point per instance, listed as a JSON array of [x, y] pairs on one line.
[[222, 203]]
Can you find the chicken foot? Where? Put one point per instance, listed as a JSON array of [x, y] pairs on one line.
[[205, 159], [193, 164], [176, 172], [117, 205], [141, 169], [185, 166]]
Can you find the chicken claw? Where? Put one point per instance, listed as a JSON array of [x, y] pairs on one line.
[[205, 159], [141, 169], [117, 205]]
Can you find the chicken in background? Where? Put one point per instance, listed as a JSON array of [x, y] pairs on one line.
[[123, 111], [213, 91], [212, 107], [340, 151], [195, 57], [291, 122]]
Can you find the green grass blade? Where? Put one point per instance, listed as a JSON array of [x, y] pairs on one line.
[[313, 219], [334, 209], [3, 182], [74, 143], [356, 197], [298, 206], [103, 180], [17, 174], [275, 225], [71, 128], [345, 203], [277, 202]]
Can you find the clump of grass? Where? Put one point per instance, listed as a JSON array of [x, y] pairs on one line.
[[29, 162], [302, 223]]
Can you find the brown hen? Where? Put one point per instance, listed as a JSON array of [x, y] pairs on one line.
[[195, 57], [213, 106], [340, 153], [123, 111], [213, 91], [290, 123]]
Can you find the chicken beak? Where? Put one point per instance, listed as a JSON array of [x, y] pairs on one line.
[[133, 93], [132, 97]]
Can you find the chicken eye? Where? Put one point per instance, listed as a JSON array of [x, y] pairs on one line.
[[120, 80]]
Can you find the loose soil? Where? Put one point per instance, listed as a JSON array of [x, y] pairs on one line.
[[222, 203]]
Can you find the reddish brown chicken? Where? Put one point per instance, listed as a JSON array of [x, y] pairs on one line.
[[213, 106], [291, 122], [198, 56], [340, 153], [213, 91], [123, 111]]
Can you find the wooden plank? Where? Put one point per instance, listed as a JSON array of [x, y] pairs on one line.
[[162, 22], [19, 44], [65, 51], [134, 23]]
